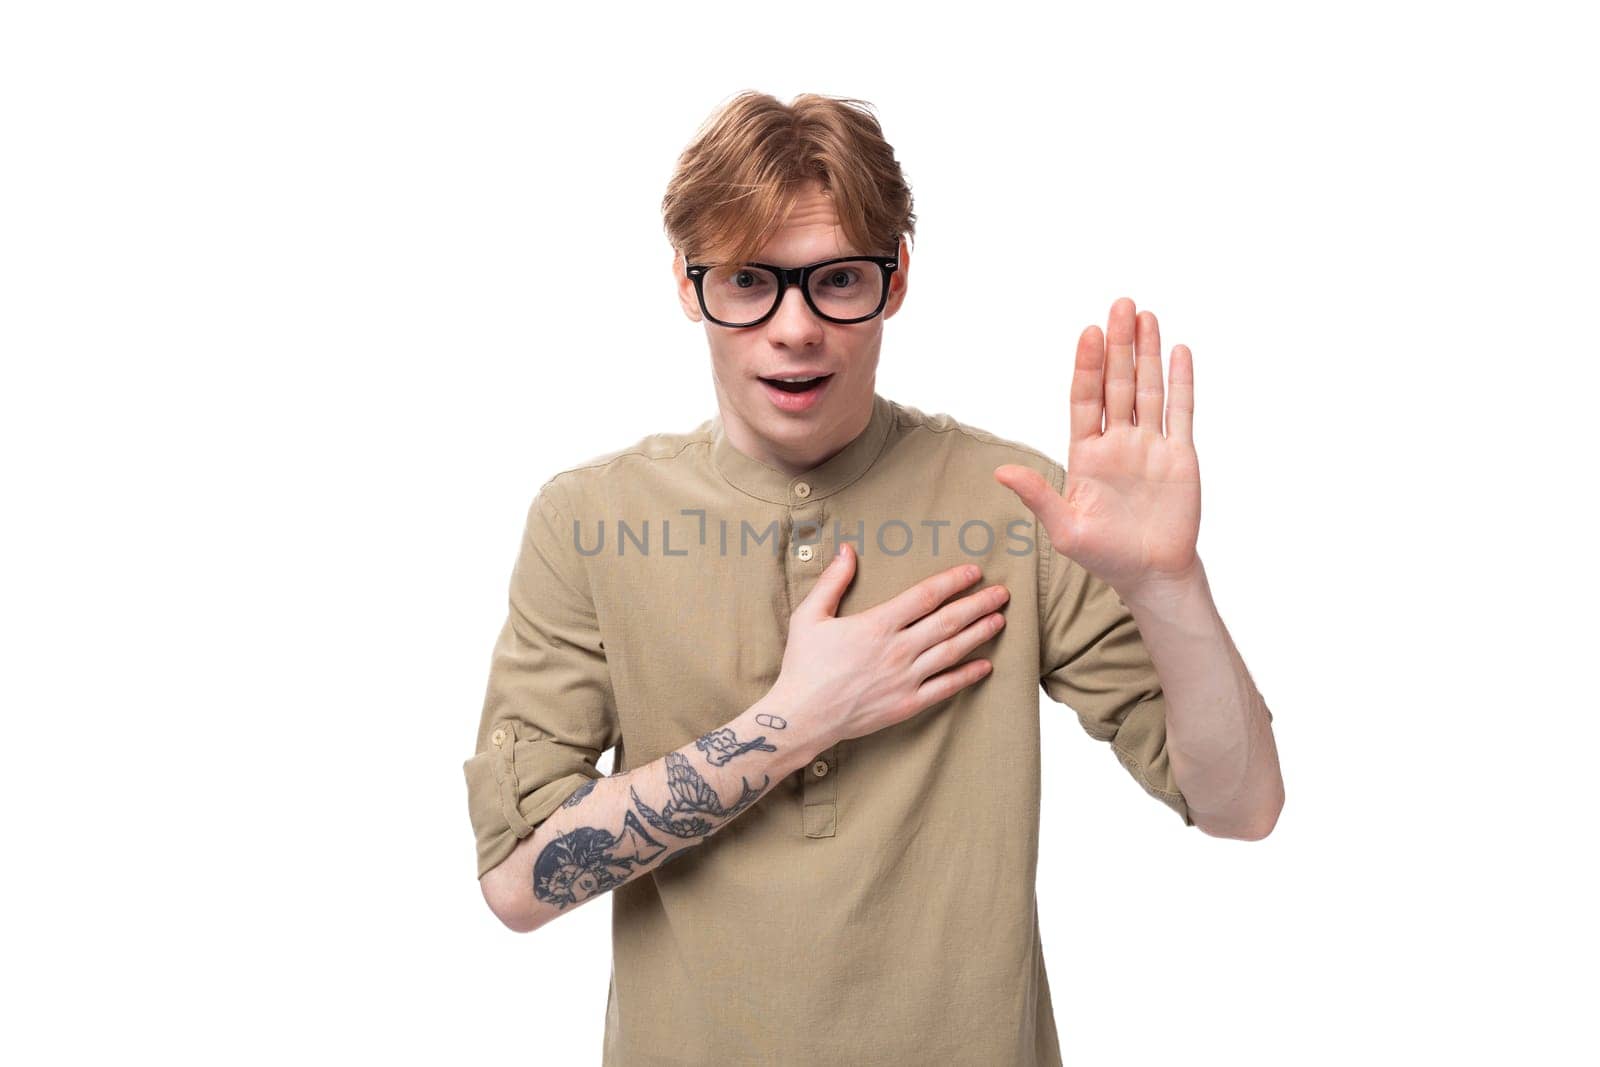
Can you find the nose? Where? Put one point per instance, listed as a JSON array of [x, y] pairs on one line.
[[793, 325]]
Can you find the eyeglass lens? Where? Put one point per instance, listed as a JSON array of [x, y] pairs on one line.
[[743, 293]]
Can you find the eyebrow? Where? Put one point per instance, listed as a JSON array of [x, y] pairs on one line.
[[811, 263]]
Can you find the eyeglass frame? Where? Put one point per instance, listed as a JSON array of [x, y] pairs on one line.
[[801, 278]]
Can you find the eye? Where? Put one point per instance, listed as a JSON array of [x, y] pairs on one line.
[[840, 277]]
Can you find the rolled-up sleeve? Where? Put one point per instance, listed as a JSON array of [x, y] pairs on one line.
[[549, 710], [1093, 660]]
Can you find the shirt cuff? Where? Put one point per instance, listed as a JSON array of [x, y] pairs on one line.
[[516, 784]]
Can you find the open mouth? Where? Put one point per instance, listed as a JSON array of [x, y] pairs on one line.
[[800, 385]]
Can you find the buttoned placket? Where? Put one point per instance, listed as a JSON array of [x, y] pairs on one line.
[[806, 499], [805, 557]]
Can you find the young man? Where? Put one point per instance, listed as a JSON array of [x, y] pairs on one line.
[[772, 619]]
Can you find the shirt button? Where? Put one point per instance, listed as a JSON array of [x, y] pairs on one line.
[[499, 738], [802, 490], [805, 553], [819, 768]]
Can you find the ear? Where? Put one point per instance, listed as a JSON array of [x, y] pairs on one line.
[[686, 297], [899, 280]]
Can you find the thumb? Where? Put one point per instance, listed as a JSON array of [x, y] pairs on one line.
[[823, 600], [1041, 499]]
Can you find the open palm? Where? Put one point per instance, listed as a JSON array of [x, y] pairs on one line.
[[1130, 511]]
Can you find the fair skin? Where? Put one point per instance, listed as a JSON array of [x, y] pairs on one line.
[[795, 342], [1130, 515]]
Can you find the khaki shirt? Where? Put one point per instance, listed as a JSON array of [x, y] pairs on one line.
[[878, 905]]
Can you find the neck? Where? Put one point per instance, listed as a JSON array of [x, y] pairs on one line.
[[804, 455]]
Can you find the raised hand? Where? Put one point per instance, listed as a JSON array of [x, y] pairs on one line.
[[1130, 511]]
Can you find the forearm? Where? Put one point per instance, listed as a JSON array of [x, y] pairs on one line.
[[624, 825], [1219, 733]]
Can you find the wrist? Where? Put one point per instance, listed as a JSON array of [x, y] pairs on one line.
[[794, 729], [1164, 591]]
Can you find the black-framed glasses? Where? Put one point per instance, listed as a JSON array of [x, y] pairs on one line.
[[844, 290]]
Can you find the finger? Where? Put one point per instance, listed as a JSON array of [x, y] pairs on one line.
[[1041, 498], [1119, 364], [946, 685], [823, 600], [1088, 398], [907, 607], [1147, 394], [955, 617], [950, 652], [1180, 396]]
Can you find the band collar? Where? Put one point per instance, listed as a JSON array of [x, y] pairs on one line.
[[833, 474]]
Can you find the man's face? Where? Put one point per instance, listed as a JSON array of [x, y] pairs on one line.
[[789, 431]]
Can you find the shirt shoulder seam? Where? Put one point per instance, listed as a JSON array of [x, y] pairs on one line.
[[976, 434], [605, 461]]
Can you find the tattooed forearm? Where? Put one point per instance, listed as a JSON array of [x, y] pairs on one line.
[[589, 860], [607, 833], [586, 861], [720, 746], [692, 798]]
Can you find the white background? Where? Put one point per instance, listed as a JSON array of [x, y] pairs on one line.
[[302, 302]]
